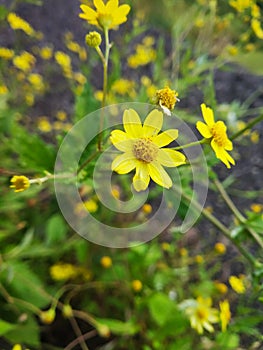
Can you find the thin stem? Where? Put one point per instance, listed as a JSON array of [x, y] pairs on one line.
[[78, 332], [249, 126], [236, 212], [87, 161], [105, 83], [191, 144], [77, 340], [216, 223]]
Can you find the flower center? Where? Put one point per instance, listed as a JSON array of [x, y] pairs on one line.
[[105, 20], [167, 97], [20, 184], [202, 314], [218, 132], [145, 150]]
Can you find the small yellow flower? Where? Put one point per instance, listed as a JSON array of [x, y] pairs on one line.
[[254, 136], [225, 314], [3, 90], [25, 61], [44, 125], [220, 248], [91, 205], [199, 259], [93, 39], [107, 16], [256, 26], [17, 22], [147, 208], [19, 183], [256, 208], [106, 262], [240, 5], [46, 52], [232, 50], [166, 246], [143, 55], [216, 133], [141, 145], [17, 347], [137, 285], [124, 87], [65, 63], [61, 115], [202, 315], [183, 252], [48, 316], [167, 99], [221, 287], [6, 53], [37, 81], [63, 272], [237, 284]]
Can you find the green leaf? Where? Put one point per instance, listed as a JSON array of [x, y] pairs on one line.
[[5, 327], [56, 229], [119, 327], [161, 308], [227, 341], [26, 333]]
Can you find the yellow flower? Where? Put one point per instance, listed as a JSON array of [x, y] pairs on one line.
[[65, 63], [142, 149], [143, 55], [147, 208], [167, 99], [25, 61], [44, 125], [201, 315], [6, 53], [124, 87], [240, 5], [216, 133], [221, 287], [63, 271], [237, 284], [17, 347], [220, 248], [17, 22], [19, 183], [3, 90], [225, 314], [137, 285], [106, 16], [46, 52], [106, 262], [199, 259], [256, 208], [91, 205], [255, 25], [36, 81]]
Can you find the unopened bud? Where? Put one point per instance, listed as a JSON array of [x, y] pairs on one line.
[[93, 39]]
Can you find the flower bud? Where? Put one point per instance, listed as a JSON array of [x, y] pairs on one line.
[[93, 39]]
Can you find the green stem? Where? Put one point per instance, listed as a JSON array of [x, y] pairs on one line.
[[249, 126], [236, 212], [191, 144], [217, 224]]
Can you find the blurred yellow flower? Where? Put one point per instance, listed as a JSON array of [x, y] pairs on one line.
[[142, 147], [107, 16], [167, 99], [256, 26], [237, 284], [220, 248], [199, 259], [65, 63], [6, 53], [256, 208], [63, 271], [221, 287], [46, 52], [44, 125], [202, 315], [91, 205], [225, 314], [216, 133], [254, 136], [143, 55], [36, 81], [240, 5], [19, 183], [106, 262], [25, 61], [183, 252], [137, 285], [17, 347], [17, 22], [3, 90], [124, 87], [147, 208]]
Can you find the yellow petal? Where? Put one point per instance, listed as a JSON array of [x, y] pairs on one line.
[[132, 123], [228, 145], [203, 129], [124, 163], [159, 175], [141, 178], [153, 123], [170, 158], [165, 137], [121, 141], [122, 11], [100, 6], [208, 115], [222, 154], [88, 14], [112, 6]]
